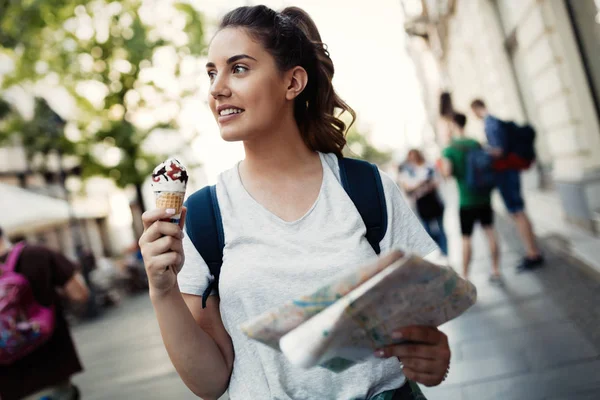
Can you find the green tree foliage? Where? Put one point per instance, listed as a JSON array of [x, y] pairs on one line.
[[106, 48], [359, 146]]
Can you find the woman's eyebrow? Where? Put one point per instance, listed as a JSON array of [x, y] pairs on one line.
[[232, 59]]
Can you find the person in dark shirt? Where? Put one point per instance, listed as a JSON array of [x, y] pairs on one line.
[[509, 186], [47, 371]]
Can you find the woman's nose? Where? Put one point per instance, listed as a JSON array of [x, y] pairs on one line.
[[219, 88]]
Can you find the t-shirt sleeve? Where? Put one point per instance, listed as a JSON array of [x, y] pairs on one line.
[[194, 276], [62, 268], [404, 231]]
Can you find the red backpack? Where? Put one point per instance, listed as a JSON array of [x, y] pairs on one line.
[[24, 324]]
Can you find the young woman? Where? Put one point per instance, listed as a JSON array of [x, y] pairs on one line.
[[289, 225], [419, 181]]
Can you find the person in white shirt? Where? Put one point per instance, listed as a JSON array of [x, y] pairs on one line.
[[420, 182], [289, 226]]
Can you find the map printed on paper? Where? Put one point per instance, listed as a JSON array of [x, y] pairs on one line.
[[344, 322]]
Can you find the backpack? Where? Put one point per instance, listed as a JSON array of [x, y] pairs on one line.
[[360, 179], [24, 324], [479, 169], [519, 147]]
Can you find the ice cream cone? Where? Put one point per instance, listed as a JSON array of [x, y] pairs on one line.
[[169, 181], [170, 200]]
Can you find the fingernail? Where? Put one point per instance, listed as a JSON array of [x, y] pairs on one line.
[[170, 210], [396, 335], [379, 353], [182, 234]]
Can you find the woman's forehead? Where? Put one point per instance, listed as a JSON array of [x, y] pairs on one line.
[[230, 42]]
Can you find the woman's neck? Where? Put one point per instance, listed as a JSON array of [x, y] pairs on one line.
[[280, 152]]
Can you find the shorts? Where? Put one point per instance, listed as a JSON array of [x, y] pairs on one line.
[[509, 186], [469, 215]]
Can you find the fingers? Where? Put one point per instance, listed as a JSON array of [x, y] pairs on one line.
[[422, 334], [425, 358], [159, 229], [410, 350], [421, 377], [160, 262], [166, 244], [151, 216]]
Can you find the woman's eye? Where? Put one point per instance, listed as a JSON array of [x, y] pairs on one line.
[[239, 69], [211, 75]]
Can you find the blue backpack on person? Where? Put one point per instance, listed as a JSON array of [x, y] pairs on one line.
[[479, 172], [479, 169], [360, 179], [518, 146]]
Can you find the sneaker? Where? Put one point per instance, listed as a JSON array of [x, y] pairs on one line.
[[529, 264], [496, 280]]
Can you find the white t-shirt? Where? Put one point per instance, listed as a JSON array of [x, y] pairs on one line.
[[268, 261], [415, 175]]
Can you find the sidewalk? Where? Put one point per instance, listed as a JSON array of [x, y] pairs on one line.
[[124, 357], [546, 212], [538, 338]]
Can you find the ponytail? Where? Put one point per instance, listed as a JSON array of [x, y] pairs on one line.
[[293, 39]]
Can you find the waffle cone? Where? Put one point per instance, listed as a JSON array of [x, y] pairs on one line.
[[170, 200]]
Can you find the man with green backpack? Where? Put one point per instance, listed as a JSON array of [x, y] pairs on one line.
[[465, 159]]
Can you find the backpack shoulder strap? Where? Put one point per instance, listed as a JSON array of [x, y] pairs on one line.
[[362, 181], [204, 227], [11, 260]]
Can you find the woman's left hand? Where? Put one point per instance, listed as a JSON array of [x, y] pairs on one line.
[[426, 358]]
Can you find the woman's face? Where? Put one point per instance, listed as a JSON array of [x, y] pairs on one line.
[[247, 91], [412, 157]]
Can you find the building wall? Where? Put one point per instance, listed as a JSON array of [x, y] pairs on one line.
[[521, 57]]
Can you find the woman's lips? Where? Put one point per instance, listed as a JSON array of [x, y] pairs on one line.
[[226, 118]]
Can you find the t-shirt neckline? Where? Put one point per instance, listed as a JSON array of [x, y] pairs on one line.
[[268, 212]]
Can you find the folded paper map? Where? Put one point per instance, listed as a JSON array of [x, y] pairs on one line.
[[343, 322]]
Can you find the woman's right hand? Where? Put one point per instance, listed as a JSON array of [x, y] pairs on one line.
[[162, 249]]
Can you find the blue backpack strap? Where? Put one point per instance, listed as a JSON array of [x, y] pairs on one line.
[[204, 227], [362, 181]]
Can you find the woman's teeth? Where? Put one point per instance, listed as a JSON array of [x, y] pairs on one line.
[[229, 111]]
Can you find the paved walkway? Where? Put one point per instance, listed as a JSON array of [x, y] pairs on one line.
[[538, 338], [124, 357]]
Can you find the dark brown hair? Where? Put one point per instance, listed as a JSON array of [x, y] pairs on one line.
[[477, 103], [292, 38], [446, 108], [460, 119], [418, 155]]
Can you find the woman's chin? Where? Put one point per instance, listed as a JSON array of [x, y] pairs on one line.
[[232, 136]]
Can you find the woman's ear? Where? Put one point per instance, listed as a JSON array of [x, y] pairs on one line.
[[297, 79]]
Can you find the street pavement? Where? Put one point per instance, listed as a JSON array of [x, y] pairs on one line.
[[536, 338]]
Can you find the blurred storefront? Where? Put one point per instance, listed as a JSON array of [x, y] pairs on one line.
[[42, 219], [530, 60]]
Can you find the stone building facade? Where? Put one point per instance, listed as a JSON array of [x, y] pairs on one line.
[[535, 61]]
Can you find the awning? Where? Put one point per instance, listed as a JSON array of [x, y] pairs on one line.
[[24, 211]]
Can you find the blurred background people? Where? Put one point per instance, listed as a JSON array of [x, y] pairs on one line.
[[46, 371], [420, 182], [508, 181], [474, 206]]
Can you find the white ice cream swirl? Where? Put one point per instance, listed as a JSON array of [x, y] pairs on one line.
[[169, 176]]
